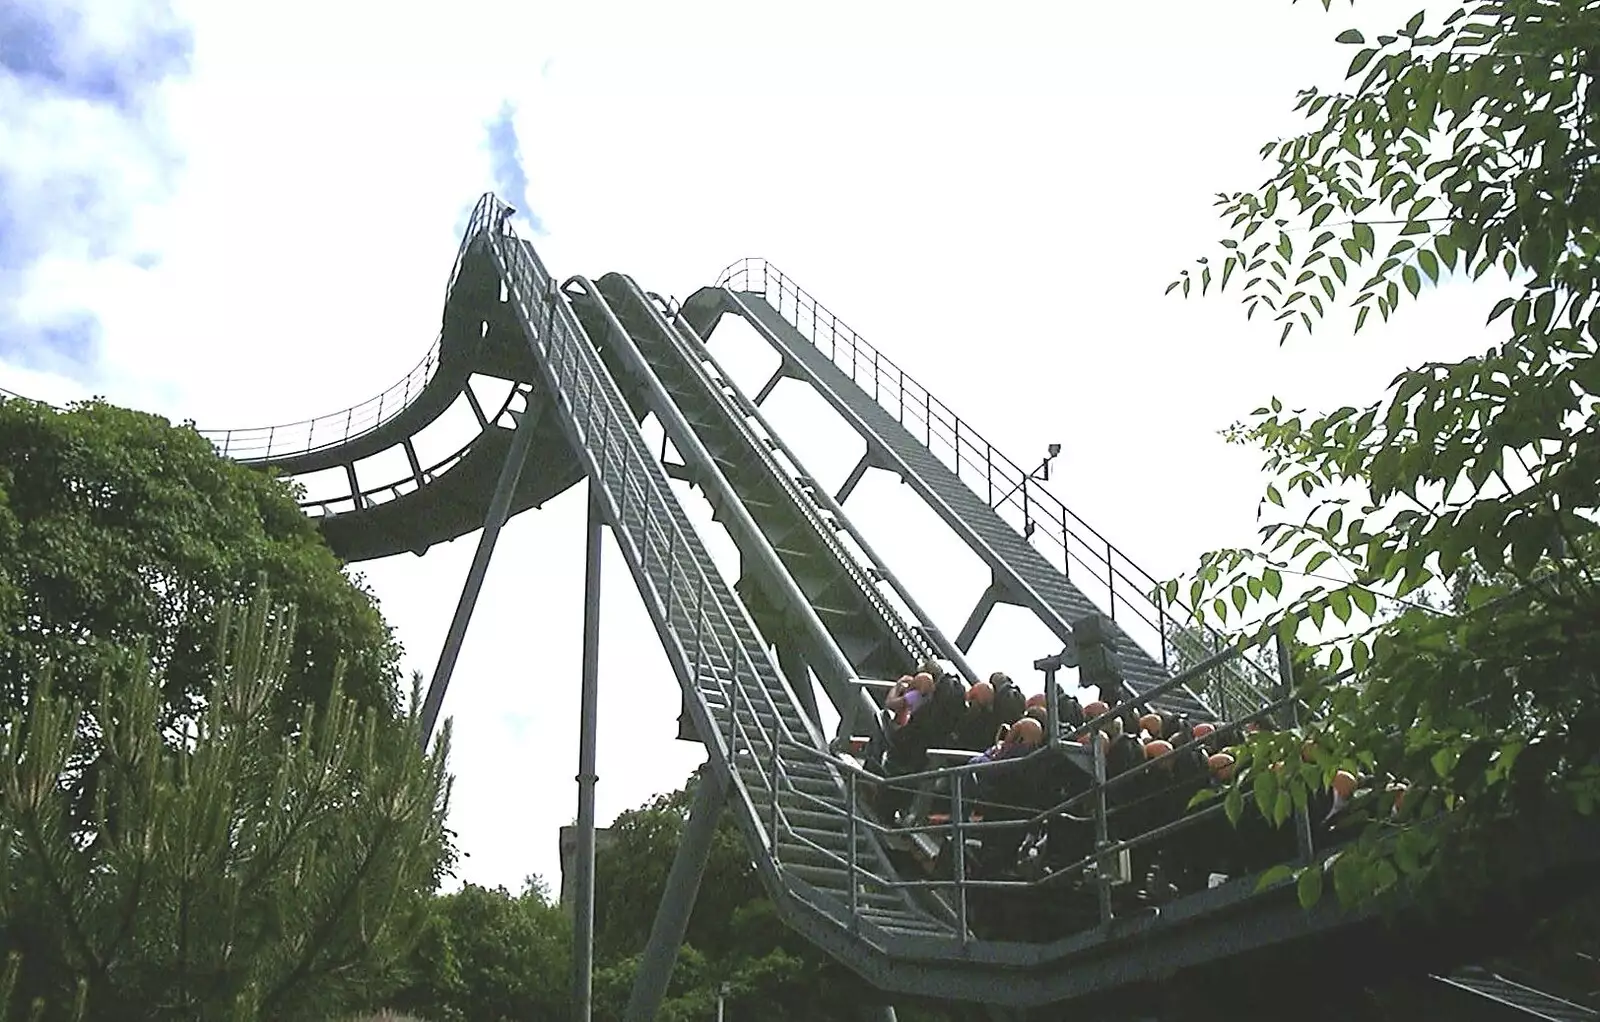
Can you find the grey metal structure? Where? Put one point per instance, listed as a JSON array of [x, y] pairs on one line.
[[587, 360]]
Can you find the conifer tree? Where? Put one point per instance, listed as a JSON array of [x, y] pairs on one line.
[[225, 871]]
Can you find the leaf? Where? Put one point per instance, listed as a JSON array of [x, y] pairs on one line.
[[1364, 237], [1362, 60], [1412, 279], [1444, 761], [1276, 875], [1350, 36], [1309, 886], [1430, 265], [1233, 805], [1272, 581]]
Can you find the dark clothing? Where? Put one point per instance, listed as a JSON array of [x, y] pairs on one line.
[[1009, 704], [932, 725], [978, 727]]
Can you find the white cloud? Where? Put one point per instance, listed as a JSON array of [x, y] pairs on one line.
[[995, 200]]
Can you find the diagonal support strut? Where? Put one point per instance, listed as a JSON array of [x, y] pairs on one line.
[[499, 511], [677, 901]]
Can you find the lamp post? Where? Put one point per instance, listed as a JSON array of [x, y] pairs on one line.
[[722, 992], [1040, 473]]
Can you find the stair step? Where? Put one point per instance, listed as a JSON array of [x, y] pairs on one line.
[[824, 878]]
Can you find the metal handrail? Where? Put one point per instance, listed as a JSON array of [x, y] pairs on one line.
[[644, 523], [1010, 490], [264, 443], [410, 482], [917, 647], [1094, 794]]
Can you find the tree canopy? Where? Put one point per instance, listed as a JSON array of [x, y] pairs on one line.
[[230, 874], [488, 955], [1435, 548], [120, 533]]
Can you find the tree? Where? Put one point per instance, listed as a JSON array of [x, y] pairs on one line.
[[119, 533], [489, 955], [230, 873], [1467, 149], [735, 936]]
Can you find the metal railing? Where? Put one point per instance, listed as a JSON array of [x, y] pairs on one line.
[[1131, 596], [678, 580], [1093, 867], [360, 498], [264, 443]]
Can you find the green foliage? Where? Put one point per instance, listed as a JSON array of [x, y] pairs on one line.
[[1439, 544], [486, 956], [226, 873], [632, 872], [735, 935], [120, 533]]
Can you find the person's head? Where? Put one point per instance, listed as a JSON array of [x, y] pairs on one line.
[[1036, 700], [981, 694], [923, 682], [1038, 713], [1094, 708], [931, 668], [1151, 724], [999, 679], [1026, 732], [1221, 764]]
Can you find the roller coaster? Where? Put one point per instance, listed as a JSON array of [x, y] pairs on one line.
[[815, 612]]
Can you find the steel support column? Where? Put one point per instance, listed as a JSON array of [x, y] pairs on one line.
[[853, 480], [677, 901], [499, 511], [588, 715], [980, 614], [766, 388]]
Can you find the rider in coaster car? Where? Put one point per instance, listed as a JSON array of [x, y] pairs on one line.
[[979, 723]]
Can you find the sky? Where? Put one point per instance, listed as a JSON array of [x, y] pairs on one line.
[[246, 215]]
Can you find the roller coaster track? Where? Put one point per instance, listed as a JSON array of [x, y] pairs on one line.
[[587, 361]]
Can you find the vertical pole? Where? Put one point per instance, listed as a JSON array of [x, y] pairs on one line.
[[677, 901], [583, 924], [958, 815], [1052, 703], [499, 511], [1102, 836]]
